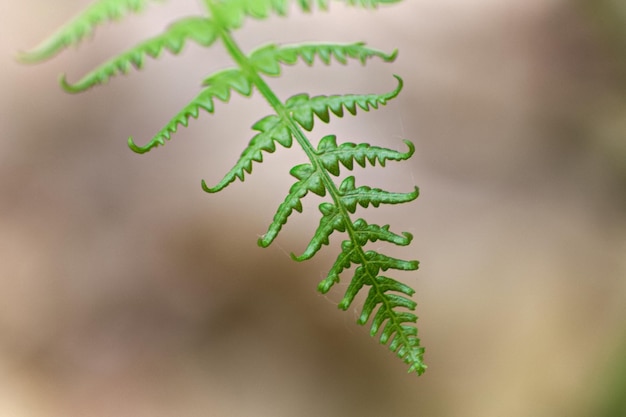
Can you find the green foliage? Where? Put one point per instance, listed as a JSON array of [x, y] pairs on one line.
[[387, 304], [82, 26]]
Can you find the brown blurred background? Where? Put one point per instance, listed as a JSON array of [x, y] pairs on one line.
[[127, 291]]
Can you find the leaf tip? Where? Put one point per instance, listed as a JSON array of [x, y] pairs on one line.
[[67, 87], [208, 189], [300, 258], [416, 192], [397, 90], [411, 147], [324, 286], [392, 57], [24, 57], [32, 57], [418, 368], [139, 149]]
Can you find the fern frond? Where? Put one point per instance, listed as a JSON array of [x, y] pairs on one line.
[[387, 305], [268, 58], [198, 29], [332, 154], [219, 86], [309, 180], [82, 26], [272, 129], [302, 107]]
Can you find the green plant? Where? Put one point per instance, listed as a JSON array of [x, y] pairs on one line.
[[387, 303]]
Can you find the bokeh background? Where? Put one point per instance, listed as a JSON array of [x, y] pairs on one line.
[[127, 291]]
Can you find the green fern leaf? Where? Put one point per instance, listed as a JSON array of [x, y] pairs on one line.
[[387, 305], [385, 262], [272, 129], [309, 180], [268, 58], [355, 286], [386, 284], [364, 233], [402, 337], [198, 29], [367, 274], [302, 107], [364, 195], [393, 301], [219, 85], [82, 26], [347, 257], [332, 219], [346, 153]]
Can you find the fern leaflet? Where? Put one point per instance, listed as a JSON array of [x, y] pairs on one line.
[[219, 85], [198, 29], [272, 130], [267, 59], [82, 26], [303, 108], [347, 153]]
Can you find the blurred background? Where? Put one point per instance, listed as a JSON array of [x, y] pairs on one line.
[[125, 290]]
